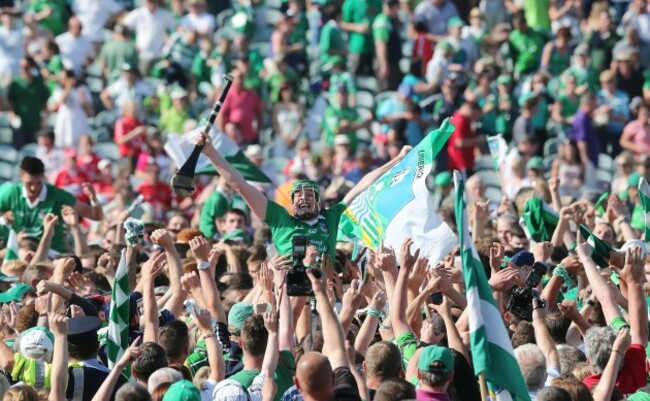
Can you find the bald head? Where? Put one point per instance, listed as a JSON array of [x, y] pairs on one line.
[[314, 376]]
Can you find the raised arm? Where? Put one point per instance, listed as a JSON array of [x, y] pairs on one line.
[[59, 374], [150, 270], [164, 239], [71, 219], [215, 353], [332, 330], [369, 326], [371, 177], [203, 254], [49, 223], [106, 390], [94, 210], [598, 285], [603, 391], [351, 302], [398, 303], [63, 268], [285, 310], [543, 336], [254, 198], [633, 275]]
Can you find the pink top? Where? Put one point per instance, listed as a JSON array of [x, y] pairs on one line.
[[243, 107], [640, 135]]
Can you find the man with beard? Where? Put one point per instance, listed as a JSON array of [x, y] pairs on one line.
[[308, 218]]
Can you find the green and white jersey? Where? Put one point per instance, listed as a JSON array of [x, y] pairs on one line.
[[29, 217], [320, 232]]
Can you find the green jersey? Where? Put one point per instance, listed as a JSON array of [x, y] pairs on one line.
[[56, 21], [321, 231], [331, 38], [214, 208], [381, 28], [28, 100], [29, 218], [526, 50], [283, 375], [331, 120], [360, 12]]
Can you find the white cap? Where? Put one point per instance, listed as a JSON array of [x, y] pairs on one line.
[[229, 390], [636, 243], [103, 163], [37, 343], [254, 151]]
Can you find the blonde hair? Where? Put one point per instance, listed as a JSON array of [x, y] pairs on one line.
[[581, 371], [21, 393]]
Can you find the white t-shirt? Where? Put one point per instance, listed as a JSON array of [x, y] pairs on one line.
[[94, 14], [11, 50], [150, 30], [75, 51], [203, 23], [121, 92]]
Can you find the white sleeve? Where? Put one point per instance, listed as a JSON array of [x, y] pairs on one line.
[[207, 389], [131, 18]]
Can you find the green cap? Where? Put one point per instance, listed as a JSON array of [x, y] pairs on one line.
[[443, 179], [504, 79], [299, 184], [182, 390], [601, 204], [235, 235], [435, 358], [455, 22], [535, 163], [633, 179], [16, 293], [639, 396], [237, 315]]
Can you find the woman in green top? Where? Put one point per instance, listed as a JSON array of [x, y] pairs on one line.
[[50, 63], [566, 106], [556, 56], [484, 94]]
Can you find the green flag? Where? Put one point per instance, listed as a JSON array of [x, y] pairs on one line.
[[644, 196], [399, 205], [540, 219], [492, 352], [12, 247], [599, 249], [118, 322]]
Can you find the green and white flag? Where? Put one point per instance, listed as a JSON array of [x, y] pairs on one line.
[[644, 196], [118, 322], [12, 247], [540, 219], [600, 250], [498, 149], [398, 205], [492, 352], [179, 148]]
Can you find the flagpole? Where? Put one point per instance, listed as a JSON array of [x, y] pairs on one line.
[[483, 385]]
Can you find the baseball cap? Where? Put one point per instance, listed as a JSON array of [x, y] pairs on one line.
[[443, 179], [455, 22], [238, 315], [523, 258], [435, 358], [16, 293], [229, 390], [633, 179], [128, 67], [178, 93], [182, 390], [103, 163], [37, 343], [535, 163], [639, 396], [635, 243]]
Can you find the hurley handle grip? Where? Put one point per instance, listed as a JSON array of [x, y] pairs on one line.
[[190, 164]]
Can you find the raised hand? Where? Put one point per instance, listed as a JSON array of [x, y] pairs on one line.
[[311, 256], [162, 238], [50, 221], [378, 300], [131, 354], [64, 267], [42, 304], [407, 259], [572, 265], [70, 217], [386, 260], [543, 251], [504, 280], [634, 268], [271, 321], [203, 320], [497, 252], [58, 324], [622, 342], [89, 191], [569, 309], [265, 278], [418, 273], [154, 265], [200, 248], [353, 296]]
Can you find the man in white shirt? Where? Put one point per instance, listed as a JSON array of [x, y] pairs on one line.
[[151, 25], [51, 156], [128, 87], [11, 49], [77, 51], [198, 19], [94, 14], [436, 14]]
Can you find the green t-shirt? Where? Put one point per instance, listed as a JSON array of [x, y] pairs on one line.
[[381, 28], [283, 375], [333, 116], [276, 81], [569, 107], [321, 232], [56, 22], [536, 12], [28, 100], [53, 67], [331, 38], [172, 120], [526, 50], [215, 207], [408, 346], [115, 54], [343, 78], [360, 12], [30, 220], [200, 69]]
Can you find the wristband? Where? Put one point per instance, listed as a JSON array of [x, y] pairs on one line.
[[591, 302], [561, 272], [618, 323], [375, 312]]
